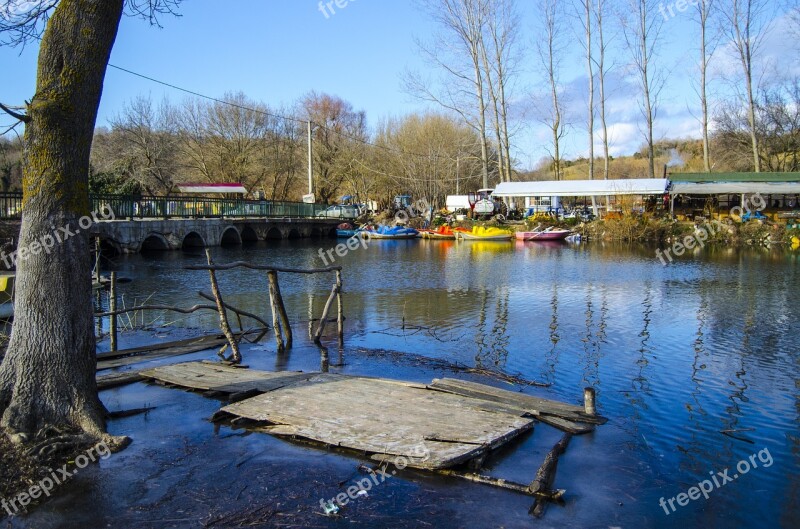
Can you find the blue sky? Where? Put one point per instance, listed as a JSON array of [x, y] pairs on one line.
[[278, 50]]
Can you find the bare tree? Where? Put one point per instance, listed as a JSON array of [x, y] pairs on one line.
[[602, 46], [340, 130], [550, 50], [457, 53], [586, 10], [642, 31], [142, 146], [705, 8], [746, 23], [500, 56], [47, 377]]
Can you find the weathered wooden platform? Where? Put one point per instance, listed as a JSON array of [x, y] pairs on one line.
[[453, 421], [385, 418]]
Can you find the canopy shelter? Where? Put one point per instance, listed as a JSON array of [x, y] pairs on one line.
[[734, 183], [582, 188], [212, 188], [720, 186]]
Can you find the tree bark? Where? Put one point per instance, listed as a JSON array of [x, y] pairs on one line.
[[48, 375]]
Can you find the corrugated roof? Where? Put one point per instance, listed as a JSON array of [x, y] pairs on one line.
[[582, 188], [726, 188], [734, 177]]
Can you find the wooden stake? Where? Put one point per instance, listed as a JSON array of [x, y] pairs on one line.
[[323, 320], [275, 287], [112, 307], [223, 317], [97, 259], [588, 401], [340, 314], [272, 276]]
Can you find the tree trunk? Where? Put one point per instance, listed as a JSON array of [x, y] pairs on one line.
[[703, 7], [48, 375], [590, 72], [751, 118], [602, 80]]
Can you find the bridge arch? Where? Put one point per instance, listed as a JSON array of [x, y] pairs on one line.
[[154, 242], [230, 237], [193, 240], [294, 233], [274, 234], [249, 234], [110, 247]]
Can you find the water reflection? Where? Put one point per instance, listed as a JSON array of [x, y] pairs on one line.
[[677, 353]]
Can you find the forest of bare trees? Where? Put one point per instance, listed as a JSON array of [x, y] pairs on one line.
[[747, 116]]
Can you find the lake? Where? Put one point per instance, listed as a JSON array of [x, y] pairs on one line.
[[695, 364]]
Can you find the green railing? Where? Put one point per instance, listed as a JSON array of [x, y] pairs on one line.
[[152, 207]]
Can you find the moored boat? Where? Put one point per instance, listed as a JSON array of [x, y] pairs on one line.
[[442, 233], [549, 234], [387, 232], [479, 233]]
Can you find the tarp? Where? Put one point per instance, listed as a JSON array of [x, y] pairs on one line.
[[455, 202], [582, 188], [735, 188], [212, 188]]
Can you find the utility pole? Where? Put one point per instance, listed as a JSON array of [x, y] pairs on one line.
[[310, 162], [458, 162]]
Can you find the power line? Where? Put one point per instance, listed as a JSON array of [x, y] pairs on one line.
[[269, 114]]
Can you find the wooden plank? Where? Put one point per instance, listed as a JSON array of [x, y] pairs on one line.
[[385, 419], [114, 380], [225, 379], [199, 340], [193, 347], [534, 405]]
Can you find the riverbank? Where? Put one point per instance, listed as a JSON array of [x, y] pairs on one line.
[[727, 232]]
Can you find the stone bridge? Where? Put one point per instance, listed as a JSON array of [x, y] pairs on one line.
[[132, 236]]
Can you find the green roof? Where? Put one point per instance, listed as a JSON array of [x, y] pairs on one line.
[[734, 177]]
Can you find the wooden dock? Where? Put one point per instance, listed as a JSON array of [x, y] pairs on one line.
[[455, 421]]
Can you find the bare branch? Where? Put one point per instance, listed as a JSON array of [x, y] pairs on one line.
[[16, 115]]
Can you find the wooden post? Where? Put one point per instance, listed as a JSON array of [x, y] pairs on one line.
[[542, 485], [223, 317], [340, 314], [272, 276], [274, 286], [112, 307], [588, 401], [324, 318], [97, 259]]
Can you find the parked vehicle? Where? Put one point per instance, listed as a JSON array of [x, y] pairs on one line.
[[484, 205], [340, 212]]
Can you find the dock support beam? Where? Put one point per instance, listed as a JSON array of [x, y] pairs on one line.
[[589, 401], [112, 307]]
